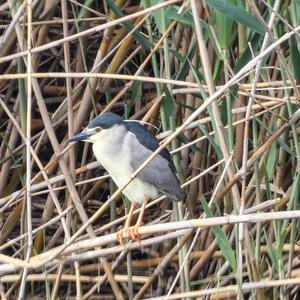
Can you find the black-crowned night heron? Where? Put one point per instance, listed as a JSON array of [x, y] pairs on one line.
[[121, 147]]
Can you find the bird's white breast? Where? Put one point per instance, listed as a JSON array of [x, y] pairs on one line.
[[114, 154]]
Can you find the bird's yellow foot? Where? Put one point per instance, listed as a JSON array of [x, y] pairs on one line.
[[134, 233], [120, 235], [128, 232]]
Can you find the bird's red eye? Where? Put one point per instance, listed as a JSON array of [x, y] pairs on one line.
[[98, 129]]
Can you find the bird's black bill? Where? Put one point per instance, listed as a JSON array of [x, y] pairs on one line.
[[80, 136]]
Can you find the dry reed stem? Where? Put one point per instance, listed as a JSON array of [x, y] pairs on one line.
[[69, 277], [28, 148], [232, 291], [181, 226], [87, 32]]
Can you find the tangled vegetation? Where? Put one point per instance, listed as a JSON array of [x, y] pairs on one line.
[[217, 80]]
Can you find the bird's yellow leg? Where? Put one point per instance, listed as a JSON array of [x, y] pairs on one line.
[[134, 231], [119, 234]]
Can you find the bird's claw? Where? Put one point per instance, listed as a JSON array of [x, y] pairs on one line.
[[134, 233], [119, 236], [127, 232]]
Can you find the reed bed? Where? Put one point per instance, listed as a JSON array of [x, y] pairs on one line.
[[217, 82]]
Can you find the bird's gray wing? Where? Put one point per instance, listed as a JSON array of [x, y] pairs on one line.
[[158, 172]]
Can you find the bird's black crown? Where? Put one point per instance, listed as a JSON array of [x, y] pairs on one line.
[[105, 120]]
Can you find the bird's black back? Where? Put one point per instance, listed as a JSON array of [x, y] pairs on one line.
[[147, 139]]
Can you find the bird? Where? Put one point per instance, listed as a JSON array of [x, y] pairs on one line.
[[121, 146]]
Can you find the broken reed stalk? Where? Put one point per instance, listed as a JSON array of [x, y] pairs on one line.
[[181, 226]]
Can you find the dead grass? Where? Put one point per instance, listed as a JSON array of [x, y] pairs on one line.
[[224, 95]]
